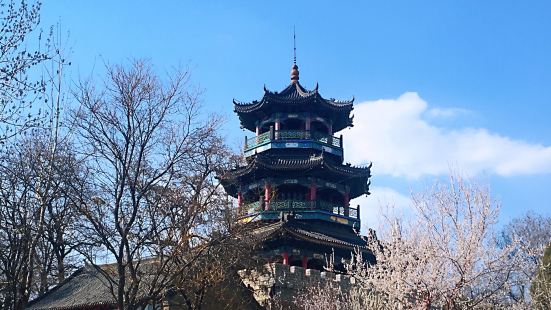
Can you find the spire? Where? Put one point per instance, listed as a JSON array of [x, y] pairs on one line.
[[294, 47], [294, 69]]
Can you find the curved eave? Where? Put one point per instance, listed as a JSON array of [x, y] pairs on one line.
[[357, 177], [294, 98], [280, 229], [271, 98]]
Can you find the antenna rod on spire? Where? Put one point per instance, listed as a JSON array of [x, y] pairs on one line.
[[294, 47], [294, 69]]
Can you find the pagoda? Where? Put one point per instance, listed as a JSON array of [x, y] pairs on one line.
[[294, 188]]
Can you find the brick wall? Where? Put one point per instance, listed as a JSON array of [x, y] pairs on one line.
[[286, 281]]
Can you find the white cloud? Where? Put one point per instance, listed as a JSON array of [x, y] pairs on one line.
[[383, 200], [393, 134], [446, 112]]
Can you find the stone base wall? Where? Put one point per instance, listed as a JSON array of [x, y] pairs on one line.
[[286, 281]]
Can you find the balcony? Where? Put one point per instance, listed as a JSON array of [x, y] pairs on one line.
[[293, 139], [300, 206]]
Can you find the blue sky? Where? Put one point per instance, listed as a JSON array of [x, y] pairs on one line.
[[464, 84]]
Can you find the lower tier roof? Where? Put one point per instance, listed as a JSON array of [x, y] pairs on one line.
[[264, 166], [317, 233]]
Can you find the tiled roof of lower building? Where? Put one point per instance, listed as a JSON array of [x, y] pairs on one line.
[[85, 288]]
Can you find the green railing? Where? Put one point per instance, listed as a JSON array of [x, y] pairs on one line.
[[353, 212], [277, 205], [326, 139], [253, 142], [329, 206], [291, 134], [252, 208], [290, 205]]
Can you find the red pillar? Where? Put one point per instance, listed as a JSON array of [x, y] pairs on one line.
[[257, 134], [305, 262], [307, 126], [346, 204], [285, 258], [277, 127], [346, 199], [313, 193], [330, 133], [267, 191], [239, 201]]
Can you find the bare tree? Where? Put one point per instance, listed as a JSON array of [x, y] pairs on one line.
[[151, 160], [532, 233], [17, 216], [57, 243], [328, 296], [34, 171], [34, 219], [18, 90], [446, 256]]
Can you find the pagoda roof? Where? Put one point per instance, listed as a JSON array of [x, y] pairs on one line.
[[334, 237], [264, 165], [294, 99]]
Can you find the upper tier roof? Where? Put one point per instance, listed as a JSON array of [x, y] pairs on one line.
[[263, 165], [294, 99]]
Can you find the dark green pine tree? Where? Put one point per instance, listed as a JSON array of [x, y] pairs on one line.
[[541, 286]]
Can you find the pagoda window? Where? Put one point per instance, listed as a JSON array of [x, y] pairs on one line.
[[295, 260], [265, 127], [292, 192], [340, 268], [330, 195], [316, 263], [276, 259], [248, 196], [293, 124], [319, 127]]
